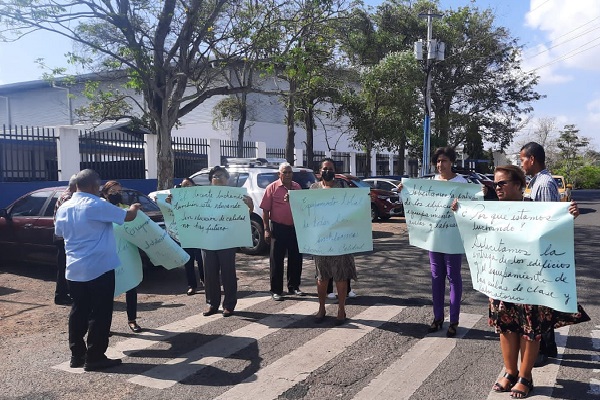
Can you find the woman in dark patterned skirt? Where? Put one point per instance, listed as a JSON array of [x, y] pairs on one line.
[[341, 268]]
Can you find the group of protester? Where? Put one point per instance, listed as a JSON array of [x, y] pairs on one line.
[[84, 228]]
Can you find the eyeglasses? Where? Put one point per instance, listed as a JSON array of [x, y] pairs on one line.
[[501, 183], [326, 169], [219, 177]]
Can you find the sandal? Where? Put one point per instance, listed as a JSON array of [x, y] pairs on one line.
[[435, 326], [519, 394], [452, 329], [512, 379]]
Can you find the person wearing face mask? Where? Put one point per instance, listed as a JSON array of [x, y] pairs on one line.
[[112, 192], [339, 268]]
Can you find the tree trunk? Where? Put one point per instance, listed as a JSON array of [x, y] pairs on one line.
[[242, 126], [289, 143], [401, 151], [164, 157], [308, 123]]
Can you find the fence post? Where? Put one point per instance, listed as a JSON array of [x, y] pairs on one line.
[[214, 152], [67, 152], [328, 153], [298, 157], [353, 163], [150, 156], [261, 150], [391, 163]]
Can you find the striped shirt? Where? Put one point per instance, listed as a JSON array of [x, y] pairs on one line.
[[544, 187]]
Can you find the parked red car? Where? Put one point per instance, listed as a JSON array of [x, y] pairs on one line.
[[27, 225], [384, 204]]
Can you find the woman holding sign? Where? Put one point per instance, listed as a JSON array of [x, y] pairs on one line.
[[521, 325], [219, 265], [445, 265], [111, 192], [341, 268]]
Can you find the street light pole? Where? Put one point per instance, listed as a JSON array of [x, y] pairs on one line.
[[435, 51]]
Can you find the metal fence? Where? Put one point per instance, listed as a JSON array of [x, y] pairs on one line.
[[318, 156], [275, 153], [191, 155], [28, 154], [229, 149], [342, 161], [362, 164], [383, 164], [113, 154]]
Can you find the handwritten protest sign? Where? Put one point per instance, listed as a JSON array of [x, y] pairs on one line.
[[212, 217], [129, 273], [168, 215], [429, 219], [521, 252], [332, 221], [153, 240]]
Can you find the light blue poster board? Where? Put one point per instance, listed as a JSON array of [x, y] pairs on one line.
[[212, 217], [332, 222], [129, 273], [168, 215], [521, 251], [154, 241], [429, 219]]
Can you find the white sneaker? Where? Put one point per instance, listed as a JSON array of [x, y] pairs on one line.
[[331, 296], [352, 294]]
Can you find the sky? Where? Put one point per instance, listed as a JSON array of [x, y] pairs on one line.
[[561, 42]]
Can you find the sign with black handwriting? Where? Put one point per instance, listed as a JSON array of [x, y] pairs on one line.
[[521, 252]]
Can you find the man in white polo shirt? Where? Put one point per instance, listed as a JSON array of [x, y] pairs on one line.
[[86, 224]]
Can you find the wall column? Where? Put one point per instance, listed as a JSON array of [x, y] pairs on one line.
[[353, 163], [67, 152], [151, 156], [214, 152]]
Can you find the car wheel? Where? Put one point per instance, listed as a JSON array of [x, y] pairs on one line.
[[258, 238], [374, 213], [385, 217]]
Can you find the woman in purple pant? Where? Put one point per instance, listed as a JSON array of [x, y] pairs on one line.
[[445, 265]]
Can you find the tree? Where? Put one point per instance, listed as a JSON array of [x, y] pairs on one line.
[[166, 50], [383, 113], [571, 149], [479, 83]]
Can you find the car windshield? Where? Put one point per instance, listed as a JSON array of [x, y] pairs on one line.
[[559, 182], [303, 178], [360, 183]]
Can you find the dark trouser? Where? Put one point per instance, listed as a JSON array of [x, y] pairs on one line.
[[131, 303], [190, 272], [283, 240], [62, 289], [548, 344], [91, 312], [220, 267], [330, 286]]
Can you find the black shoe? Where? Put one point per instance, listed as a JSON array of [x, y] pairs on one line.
[[191, 291], [63, 301], [77, 362], [135, 328], [210, 311], [101, 364], [435, 326], [297, 292], [451, 332], [277, 297], [227, 312]]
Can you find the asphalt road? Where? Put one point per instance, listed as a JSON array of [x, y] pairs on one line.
[[274, 349]]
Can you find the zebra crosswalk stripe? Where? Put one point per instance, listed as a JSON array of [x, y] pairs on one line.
[[286, 372], [401, 379], [174, 370], [145, 339]]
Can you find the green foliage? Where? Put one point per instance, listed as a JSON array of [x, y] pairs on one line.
[[587, 177]]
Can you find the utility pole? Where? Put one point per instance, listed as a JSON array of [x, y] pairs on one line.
[[435, 51]]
